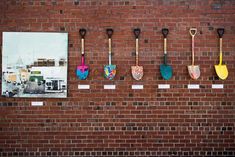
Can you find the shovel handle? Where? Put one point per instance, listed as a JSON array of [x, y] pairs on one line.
[[137, 51], [193, 31], [165, 32], [137, 32], [109, 32], [220, 32], [82, 32]]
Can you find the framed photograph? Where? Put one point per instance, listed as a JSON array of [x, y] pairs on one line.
[[34, 64]]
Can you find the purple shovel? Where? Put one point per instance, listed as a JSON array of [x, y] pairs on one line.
[[82, 70]]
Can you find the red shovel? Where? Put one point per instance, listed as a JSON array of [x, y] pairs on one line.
[[193, 70], [137, 71]]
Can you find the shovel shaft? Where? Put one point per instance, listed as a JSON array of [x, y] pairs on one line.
[[83, 60], [137, 51], [82, 33], [165, 59], [220, 51], [83, 54], [110, 59], [193, 32], [165, 32], [110, 51], [82, 42], [137, 33], [165, 42], [110, 46], [192, 50]]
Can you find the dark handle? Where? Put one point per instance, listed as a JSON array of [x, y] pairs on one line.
[[220, 32], [109, 32], [82, 32], [165, 31], [165, 59], [137, 32]]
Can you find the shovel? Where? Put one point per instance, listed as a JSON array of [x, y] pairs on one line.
[[82, 70], [137, 71], [110, 70], [166, 70], [221, 70], [194, 70]]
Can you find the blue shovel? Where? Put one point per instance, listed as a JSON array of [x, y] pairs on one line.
[[166, 70], [110, 69]]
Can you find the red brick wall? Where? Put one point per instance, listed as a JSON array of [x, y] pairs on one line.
[[125, 122]]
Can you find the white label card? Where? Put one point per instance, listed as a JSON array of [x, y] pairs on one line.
[[109, 86], [217, 86], [193, 86], [83, 86], [163, 86], [37, 103], [137, 86]]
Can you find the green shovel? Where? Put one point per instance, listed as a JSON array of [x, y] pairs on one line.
[[166, 70]]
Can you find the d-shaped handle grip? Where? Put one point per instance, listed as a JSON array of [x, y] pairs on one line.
[[193, 31], [137, 32], [165, 31], [220, 32], [82, 32], [109, 32]]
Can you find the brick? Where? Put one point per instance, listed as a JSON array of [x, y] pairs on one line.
[[123, 122]]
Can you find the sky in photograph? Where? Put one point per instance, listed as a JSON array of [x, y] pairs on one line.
[[28, 46]]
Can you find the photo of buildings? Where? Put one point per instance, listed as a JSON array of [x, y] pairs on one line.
[[34, 64]]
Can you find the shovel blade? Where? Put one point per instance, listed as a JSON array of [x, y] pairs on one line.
[[194, 71], [221, 71], [137, 72], [109, 71], [166, 71], [82, 72]]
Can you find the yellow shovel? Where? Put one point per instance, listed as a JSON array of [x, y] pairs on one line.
[[221, 70]]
